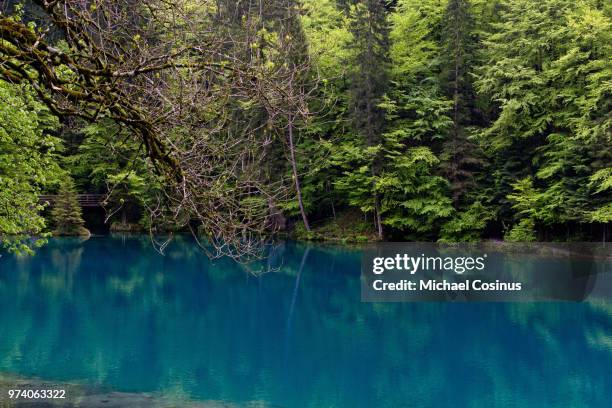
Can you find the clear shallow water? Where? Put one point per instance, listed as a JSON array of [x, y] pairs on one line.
[[111, 312]]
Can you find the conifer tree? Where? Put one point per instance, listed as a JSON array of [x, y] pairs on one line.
[[547, 66], [444, 120], [416, 199], [66, 213], [460, 156], [369, 81]]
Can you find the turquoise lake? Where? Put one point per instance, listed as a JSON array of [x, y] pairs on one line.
[[112, 313]]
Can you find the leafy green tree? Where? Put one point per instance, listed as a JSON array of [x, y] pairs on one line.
[[452, 120], [329, 39], [414, 199], [28, 165], [124, 175], [523, 231], [467, 225]]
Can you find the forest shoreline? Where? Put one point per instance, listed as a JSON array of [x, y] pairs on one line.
[[349, 121]]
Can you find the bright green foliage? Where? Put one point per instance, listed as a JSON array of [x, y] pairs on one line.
[[543, 206], [314, 168], [413, 199], [467, 225], [359, 155], [541, 59], [524, 231], [327, 136], [106, 153], [66, 213], [603, 214], [129, 184], [549, 71], [357, 181], [510, 100], [413, 44], [601, 182], [383, 156], [28, 164], [123, 173], [451, 120], [92, 162], [528, 201], [326, 28]]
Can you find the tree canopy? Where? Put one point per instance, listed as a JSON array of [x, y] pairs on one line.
[[453, 120]]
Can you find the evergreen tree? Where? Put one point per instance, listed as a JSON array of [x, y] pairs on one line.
[[326, 26], [452, 120], [368, 84], [460, 156], [416, 198], [66, 213], [545, 61]]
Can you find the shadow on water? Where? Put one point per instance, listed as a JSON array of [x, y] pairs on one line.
[[111, 314]]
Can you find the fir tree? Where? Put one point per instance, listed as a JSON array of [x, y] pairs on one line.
[[547, 66], [66, 213], [369, 81], [460, 156]]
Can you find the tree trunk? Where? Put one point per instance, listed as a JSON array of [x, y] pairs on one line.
[[378, 218], [295, 176]]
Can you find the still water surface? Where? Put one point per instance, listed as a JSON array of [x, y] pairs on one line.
[[113, 313]]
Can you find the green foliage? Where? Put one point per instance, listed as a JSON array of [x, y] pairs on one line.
[[328, 36], [527, 200], [451, 120], [66, 213], [524, 231], [548, 71], [357, 181], [475, 95], [108, 156], [601, 180], [123, 172], [413, 198], [467, 225], [603, 214], [601, 183], [347, 226], [28, 165], [414, 48]]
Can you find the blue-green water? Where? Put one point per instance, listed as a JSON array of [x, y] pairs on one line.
[[112, 313]]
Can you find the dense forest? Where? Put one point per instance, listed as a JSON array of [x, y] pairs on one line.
[[426, 120]]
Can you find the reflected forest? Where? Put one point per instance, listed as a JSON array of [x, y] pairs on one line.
[[114, 312]]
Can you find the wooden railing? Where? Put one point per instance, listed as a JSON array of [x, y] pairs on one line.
[[86, 200]]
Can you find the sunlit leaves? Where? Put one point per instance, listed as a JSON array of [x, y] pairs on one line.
[[28, 164]]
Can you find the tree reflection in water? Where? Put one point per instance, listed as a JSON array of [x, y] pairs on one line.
[[112, 312]]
